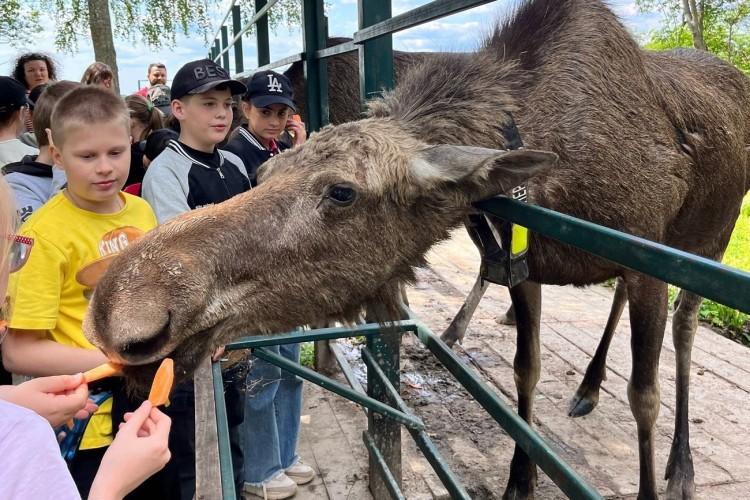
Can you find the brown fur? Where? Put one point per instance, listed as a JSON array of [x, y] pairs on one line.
[[650, 144]]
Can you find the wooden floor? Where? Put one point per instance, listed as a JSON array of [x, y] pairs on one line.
[[601, 446]]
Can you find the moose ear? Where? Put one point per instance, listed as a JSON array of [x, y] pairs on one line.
[[494, 171]]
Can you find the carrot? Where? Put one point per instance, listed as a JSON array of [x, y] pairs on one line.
[[162, 384], [102, 371]]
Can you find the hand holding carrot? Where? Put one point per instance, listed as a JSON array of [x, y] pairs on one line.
[[58, 398]]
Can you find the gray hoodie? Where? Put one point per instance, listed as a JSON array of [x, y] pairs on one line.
[[33, 183]]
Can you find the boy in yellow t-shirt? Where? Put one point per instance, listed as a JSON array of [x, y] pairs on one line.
[[90, 140]]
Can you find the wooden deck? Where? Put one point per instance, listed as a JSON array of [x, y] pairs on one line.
[[601, 446]]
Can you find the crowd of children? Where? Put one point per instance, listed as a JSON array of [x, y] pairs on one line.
[[76, 190]]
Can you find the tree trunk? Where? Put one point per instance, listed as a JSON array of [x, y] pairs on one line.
[[694, 18], [100, 25]]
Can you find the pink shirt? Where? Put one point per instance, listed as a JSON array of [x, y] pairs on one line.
[[31, 465]]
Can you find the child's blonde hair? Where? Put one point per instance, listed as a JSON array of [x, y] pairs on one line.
[[87, 105]]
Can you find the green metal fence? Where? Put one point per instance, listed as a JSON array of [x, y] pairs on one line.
[[385, 409]]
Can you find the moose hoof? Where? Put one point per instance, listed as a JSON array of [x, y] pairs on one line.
[[583, 403], [518, 492], [450, 337], [680, 487], [506, 319]]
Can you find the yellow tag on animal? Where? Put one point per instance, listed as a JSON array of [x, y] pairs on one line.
[[519, 241]]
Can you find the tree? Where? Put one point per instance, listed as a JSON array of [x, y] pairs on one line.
[[721, 27], [152, 22]]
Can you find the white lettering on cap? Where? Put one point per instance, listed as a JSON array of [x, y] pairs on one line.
[[273, 84]]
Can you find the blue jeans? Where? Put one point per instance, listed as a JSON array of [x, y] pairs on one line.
[[273, 405]]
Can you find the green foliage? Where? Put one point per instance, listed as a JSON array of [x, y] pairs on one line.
[[733, 323], [18, 23], [285, 13], [307, 354], [153, 22], [726, 28]]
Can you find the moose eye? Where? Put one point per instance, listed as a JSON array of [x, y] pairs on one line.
[[341, 195]]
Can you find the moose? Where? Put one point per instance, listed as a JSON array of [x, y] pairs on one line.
[[653, 144]]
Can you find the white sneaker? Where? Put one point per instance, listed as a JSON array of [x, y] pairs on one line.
[[300, 473], [276, 488]]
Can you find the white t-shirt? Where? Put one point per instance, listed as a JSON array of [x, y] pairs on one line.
[[14, 150], [31, 465]]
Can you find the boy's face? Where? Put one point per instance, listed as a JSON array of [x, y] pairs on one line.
[[204, 118], [266, 123], [96, 160]]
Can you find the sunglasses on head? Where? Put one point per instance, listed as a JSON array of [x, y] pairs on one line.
[[18, 253]]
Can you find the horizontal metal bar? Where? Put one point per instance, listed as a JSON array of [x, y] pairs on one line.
[[273, 65], [346, 369], [320, 334], [422, 440], [248, 26], [341, 48], [326, 383], [387, 475], [222, 429], [415, 17], [226, 16], [525, 437], [702, 276]]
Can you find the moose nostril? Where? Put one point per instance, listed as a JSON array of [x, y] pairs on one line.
[[145, 349]]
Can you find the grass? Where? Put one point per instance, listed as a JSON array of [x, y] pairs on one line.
[[732, 323]]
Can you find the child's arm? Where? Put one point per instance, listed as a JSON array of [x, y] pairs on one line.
[[28, 352], [165, 193]]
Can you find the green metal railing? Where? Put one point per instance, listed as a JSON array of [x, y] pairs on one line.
[[385, 409]]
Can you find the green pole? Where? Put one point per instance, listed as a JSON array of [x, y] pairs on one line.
[[261, 35], [224, 43], [215, 50], [239, 61], [316, 76]]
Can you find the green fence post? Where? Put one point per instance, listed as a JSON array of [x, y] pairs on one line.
[[215, 50], [239, 62], [224, 44], [375, 56], [316, 76], [261, 35], [376, 74]]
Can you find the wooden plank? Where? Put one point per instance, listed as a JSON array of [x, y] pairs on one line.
[[207, 470]]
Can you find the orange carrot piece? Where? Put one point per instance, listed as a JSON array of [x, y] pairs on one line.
[[102, 371], [162, 384]]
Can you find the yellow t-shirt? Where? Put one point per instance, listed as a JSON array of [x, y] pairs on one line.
[[45, 294]]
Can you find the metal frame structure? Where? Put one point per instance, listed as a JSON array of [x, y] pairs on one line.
[[385, 409]]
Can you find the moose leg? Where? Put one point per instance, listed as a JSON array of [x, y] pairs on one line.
[[587, 396], [648, 317], [527, 300], [680, 464], [457, 329]]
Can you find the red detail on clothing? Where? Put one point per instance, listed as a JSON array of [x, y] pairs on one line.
[[134, 189], [273, 147], [143, 92]]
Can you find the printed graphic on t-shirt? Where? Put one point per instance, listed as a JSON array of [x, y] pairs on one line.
[[111, 244]]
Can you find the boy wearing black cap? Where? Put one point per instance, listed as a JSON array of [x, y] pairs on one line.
[[13, 107], [192, 172], [268, 105]]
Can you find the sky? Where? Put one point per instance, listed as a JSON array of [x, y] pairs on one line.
[[460, 32]]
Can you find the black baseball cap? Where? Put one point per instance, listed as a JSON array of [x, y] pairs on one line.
[[201, 76], [269, 87], [12, 94]]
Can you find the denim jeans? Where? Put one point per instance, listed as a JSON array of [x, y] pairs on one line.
[[272, 417]]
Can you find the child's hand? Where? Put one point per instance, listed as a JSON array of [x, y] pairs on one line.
[[58, 398], [297, 128], [138, 451]]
